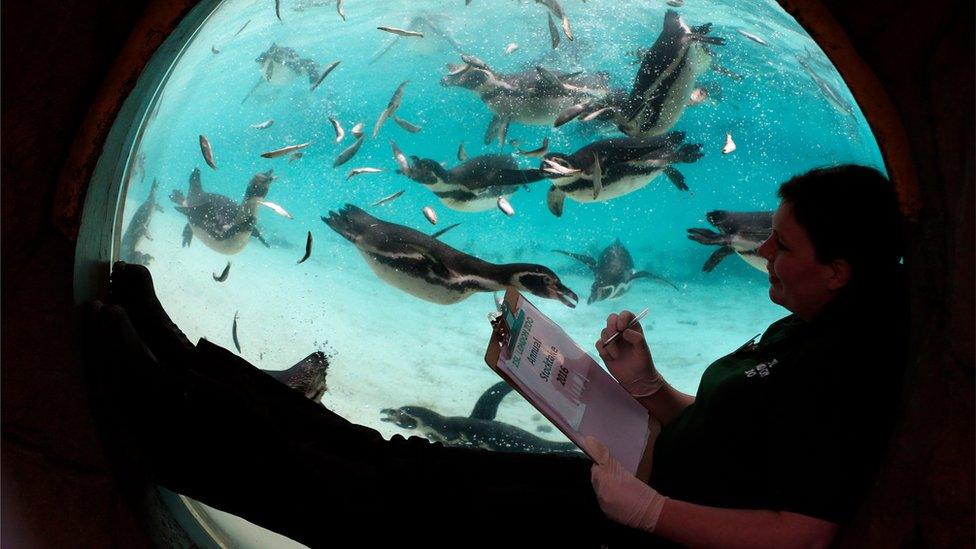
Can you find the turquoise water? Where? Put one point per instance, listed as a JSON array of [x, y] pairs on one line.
[[389, 348]]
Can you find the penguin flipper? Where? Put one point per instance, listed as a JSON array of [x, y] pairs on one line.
[[676, 177], [487, 406], [436, 264], [555, 199], [652, 276], [187, 235], [716, 258], [497, 128], [584, 259], [257, 234]]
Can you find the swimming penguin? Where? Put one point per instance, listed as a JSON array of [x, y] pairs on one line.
[[614, 167], [138, 229], [613, 272], [474, 185], [535, 96], [667, 75], [223, 225], [740, 232], [427, 268], [281, 66], [480, 429]]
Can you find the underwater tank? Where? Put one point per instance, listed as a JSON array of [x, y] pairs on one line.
[[549, 133]]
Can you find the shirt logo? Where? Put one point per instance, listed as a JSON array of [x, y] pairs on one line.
[[762, 369]]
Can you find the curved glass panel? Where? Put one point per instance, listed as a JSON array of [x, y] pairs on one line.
[[252, 82]]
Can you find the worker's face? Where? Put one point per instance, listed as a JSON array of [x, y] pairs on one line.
[[797, 280]]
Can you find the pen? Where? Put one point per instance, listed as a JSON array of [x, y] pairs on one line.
[[633, 323]]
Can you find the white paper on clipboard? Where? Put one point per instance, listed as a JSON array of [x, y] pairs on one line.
[[540, 361]]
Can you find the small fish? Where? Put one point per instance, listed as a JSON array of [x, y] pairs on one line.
[[729, 144], [240, 30], [388, 199], [400, 158], [557, 10], [511, 47], [556, 168], [357, 130], [430, 214], [406, 125], [676, 3], [207, 151], [356, 171], [349, 152], [237, 342], [223, 274], [325, 73], [339, 132], [277, 13], [505, 207], [401, 32], [214, 50], [295, 156], [595, 114], [553, 31], [462, 155], [339, 8], [698, 95], [753, 37], [539, 152], [597, 176], [308, 249], [285, 150], [276, 208], [438, 233], [263, 125], [391, 107]]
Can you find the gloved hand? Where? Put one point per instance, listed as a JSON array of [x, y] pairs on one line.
[[622, 497], [628, 357]]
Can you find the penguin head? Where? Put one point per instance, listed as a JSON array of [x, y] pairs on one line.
[[259, 185], [542, 282], [471, 77], [400, 416], [425, 171]]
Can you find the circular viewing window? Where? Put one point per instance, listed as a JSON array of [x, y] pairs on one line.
[[424, 154]]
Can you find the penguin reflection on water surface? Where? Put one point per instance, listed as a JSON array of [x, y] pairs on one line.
[[223, 225], [613, 272], [427, 268], [474, 185], [610, 168]]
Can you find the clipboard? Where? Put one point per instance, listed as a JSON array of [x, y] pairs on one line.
[[586, 401]]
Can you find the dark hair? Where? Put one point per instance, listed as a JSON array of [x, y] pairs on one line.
[[850, 212]]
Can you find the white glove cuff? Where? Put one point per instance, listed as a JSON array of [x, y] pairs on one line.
[[645, 386]]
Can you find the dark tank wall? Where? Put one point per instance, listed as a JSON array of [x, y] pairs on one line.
[[68, 64]]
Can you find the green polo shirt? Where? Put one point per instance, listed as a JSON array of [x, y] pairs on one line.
[[797, 422]]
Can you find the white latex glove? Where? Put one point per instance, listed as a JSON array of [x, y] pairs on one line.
[[622, 497], [628, 358]]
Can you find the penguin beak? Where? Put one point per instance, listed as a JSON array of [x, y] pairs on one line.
[[565, 296]]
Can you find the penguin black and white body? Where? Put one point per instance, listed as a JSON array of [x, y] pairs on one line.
[[740, 232], [223, 225], [479, 430], [626, 164], [613, 272], [534, 97], [427, 268], [667, 75], [474, 185], [138, 229]]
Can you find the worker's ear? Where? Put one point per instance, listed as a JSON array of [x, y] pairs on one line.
[[838, 274]]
